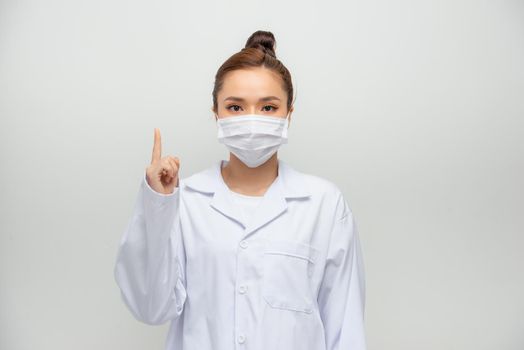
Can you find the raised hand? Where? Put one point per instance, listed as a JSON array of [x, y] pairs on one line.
[[162, 173]]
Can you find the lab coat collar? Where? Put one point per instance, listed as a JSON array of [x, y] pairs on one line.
[[290, 180], [288, 184]]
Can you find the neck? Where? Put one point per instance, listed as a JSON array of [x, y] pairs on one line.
[[250, 181]]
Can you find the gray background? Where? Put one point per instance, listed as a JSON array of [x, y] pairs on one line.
[[414, 108]]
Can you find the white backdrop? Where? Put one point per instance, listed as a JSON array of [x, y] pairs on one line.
[[414, 108]]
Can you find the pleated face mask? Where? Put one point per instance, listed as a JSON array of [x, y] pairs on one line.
[[253, 138]]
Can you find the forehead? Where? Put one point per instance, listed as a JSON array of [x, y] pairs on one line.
[[252, 83]]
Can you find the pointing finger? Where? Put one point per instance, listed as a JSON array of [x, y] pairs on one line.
[[157, 147]]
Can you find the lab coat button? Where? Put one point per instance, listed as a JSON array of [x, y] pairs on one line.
[[308, 310], [243, 244], [242, 289], [241, 338]]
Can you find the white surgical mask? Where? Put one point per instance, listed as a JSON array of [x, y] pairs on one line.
[[253, 138]]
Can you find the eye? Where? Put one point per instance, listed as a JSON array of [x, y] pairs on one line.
[[229, 107], [266, 108], [274, 108]]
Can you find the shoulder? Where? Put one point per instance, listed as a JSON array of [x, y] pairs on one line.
[[327, 193], [204, 180], [321, 186]]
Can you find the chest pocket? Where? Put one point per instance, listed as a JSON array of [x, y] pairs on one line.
[[288, 269]]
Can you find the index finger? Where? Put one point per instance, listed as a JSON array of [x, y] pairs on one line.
[[157, 147]]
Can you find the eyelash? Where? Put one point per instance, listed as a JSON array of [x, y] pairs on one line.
[[274, 108]]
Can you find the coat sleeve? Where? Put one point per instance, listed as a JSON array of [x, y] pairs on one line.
[[341, 295], [150, 263]]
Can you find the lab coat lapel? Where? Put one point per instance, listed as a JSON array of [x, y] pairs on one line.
[[273, 204], [288, 184], [223, 202], [210, 182]]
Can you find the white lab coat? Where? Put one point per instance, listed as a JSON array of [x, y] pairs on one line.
[[290, 279]]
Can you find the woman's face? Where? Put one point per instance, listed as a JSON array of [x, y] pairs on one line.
[[252, 91]]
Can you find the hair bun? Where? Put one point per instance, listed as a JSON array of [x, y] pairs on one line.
[[262, 40]]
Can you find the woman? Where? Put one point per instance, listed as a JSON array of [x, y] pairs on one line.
[[249, 253]]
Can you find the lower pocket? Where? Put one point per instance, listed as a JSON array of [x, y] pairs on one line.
[[288, 268]]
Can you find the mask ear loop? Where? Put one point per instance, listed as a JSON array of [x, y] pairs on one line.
[[288, 117], [286, 126]]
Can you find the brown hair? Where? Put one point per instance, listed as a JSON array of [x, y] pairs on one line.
[[259, 51]]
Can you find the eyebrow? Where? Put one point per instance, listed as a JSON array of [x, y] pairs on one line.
[[240, 99]]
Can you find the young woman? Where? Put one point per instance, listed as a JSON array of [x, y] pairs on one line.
[[248, 253]]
